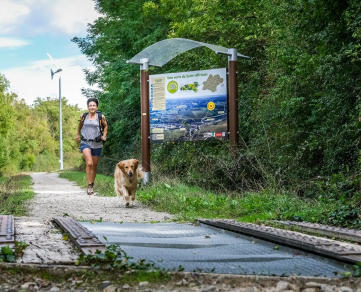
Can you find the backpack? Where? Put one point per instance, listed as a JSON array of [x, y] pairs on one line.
[[100, 117]]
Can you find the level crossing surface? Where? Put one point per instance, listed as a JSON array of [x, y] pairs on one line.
[[196, 248]]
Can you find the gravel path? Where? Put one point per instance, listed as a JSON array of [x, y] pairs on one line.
[[58, 196]]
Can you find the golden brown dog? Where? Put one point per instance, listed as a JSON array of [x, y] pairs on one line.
[[126, 176]]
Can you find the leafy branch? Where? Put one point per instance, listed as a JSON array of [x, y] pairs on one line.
[[7, 254], [113, 258]]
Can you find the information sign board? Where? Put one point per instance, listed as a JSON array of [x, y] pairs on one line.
[[188, 106]]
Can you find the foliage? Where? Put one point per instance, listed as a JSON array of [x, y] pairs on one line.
[[14, 191], [43, 133], [30, 134], [189, 203], [113, 258], [7, 121], [19, 247], [354, 272], [346, 215], [299, 95], [353, 17], [118, 35], [7, 254]]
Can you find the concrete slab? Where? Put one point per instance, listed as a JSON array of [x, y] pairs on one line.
[[330, 248], [331, 231], [46, 244]]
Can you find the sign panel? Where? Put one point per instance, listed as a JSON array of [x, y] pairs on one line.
[[188, 106]]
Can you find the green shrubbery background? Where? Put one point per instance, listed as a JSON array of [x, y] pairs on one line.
[[29, 135], [299, 96]]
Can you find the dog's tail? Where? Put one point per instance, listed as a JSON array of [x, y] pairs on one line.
[[140, 172]]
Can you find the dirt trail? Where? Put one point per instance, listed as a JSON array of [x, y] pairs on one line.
[[57, 196]]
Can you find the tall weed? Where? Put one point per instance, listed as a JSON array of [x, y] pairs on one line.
[[14, 191]]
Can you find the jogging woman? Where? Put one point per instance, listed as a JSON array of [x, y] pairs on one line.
[[91, 139]]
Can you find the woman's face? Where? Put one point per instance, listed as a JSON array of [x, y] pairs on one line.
[[92, 107]]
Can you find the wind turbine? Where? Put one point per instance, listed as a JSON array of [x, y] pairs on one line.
[[60, 118]]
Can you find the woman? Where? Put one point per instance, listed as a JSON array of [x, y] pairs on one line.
[[92, 140]]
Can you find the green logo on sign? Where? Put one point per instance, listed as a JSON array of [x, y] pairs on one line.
[[172, 87]]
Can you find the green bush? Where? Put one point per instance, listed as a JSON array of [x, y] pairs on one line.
[[346, 216]]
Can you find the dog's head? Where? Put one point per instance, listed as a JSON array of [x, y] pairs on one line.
[[128, 167]]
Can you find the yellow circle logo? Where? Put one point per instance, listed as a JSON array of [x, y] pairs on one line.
[[211, 105], [172, 87]]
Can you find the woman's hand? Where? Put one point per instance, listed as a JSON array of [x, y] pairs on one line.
[[104, 138], [77, 138]]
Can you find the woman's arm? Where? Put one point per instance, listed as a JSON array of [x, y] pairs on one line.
[[80, 125], [105, 130]]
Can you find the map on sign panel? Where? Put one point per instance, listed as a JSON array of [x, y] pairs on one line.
[[188, 106]]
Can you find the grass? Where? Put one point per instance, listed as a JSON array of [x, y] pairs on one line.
[[14, 191], [189, 202]]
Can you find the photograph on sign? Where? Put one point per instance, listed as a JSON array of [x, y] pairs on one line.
[[188, 106]]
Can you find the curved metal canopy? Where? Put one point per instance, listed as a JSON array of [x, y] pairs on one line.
[[162, 52]]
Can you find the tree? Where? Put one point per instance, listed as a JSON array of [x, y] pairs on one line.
[[30, 134], [7, 122], [299, 95]]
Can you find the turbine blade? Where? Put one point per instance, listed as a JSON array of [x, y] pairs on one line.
[[57, 66]]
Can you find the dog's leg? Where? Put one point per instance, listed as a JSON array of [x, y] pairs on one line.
[[126, 196], [132, 194], [118, 189]]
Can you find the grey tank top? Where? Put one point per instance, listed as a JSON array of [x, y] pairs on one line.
[[89, 131]]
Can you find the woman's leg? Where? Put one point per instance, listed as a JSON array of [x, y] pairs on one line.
[[95, 168], [89, 164]]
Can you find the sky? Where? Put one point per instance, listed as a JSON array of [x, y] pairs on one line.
[[29, 29]]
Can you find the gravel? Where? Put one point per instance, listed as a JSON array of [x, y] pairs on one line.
[[20, 282], [57, 196]]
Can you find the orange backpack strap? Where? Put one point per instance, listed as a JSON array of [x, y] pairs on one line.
[[84, 116]]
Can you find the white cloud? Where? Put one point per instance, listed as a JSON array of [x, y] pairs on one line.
[[11, 14], [72, 16], [34, 80], [69, 17], [7, 42]]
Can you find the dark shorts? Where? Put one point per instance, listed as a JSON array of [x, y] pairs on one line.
[[94, 151]]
